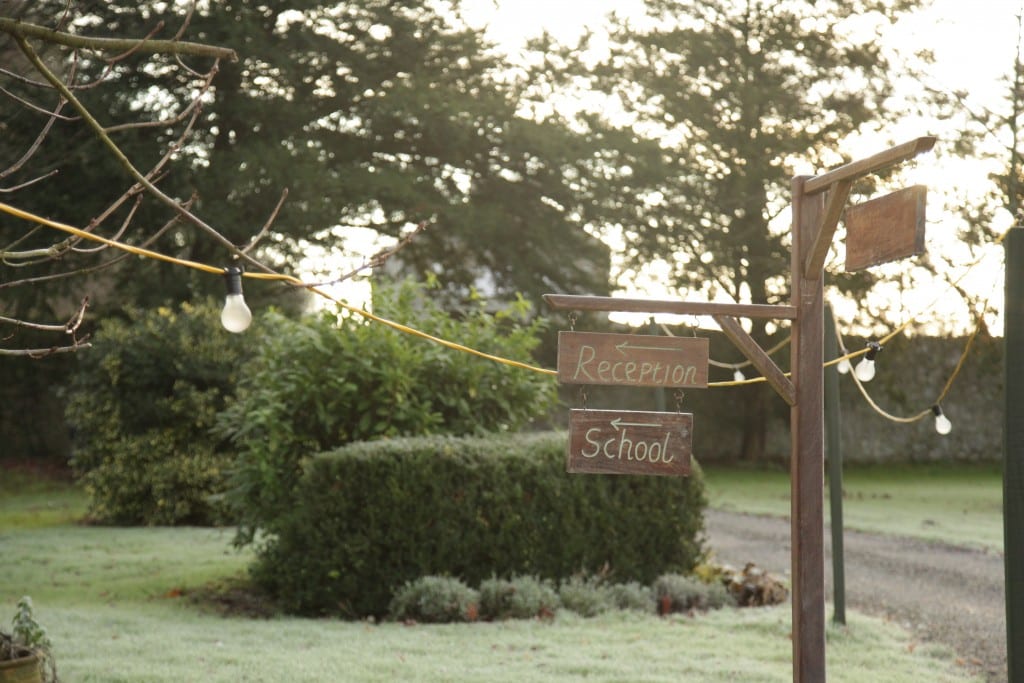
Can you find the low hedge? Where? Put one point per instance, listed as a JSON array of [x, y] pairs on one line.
[[371, 516]]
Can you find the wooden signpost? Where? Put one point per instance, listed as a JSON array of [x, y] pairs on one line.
[[606, 439], [629, 442]]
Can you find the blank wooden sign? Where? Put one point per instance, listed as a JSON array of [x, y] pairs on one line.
[[885, 229]]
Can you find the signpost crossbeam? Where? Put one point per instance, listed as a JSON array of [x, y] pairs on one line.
[[871, 164], [756, 355], [608, 303]]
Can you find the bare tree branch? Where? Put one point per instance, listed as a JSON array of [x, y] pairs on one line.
[[22, 30], [43, 353], [266, 226], [125, 162]]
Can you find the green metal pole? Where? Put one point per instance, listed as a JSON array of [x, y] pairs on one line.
[[1013, 455], [834, 454]]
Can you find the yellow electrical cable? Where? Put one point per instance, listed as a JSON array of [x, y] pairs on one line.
[[280, 277], [149, 253]]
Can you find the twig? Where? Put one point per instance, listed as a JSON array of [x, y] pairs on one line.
[[117, 235], [27, 183], [50, 253], [266, 226], [194, 106], [34, 147], [43, 353], [125, 162], [93, 269], [22, 30], [36, 107], [135, 48], [70, 327], [375, 261]]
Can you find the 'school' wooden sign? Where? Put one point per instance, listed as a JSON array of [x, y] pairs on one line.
[[629, 442]]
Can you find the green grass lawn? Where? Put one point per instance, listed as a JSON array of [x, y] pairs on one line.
[[958, 504], [118, 605]]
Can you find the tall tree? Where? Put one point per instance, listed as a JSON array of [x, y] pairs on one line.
[[735, 91], [377, 114]]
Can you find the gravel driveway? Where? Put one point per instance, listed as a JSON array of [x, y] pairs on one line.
[[939, 592]]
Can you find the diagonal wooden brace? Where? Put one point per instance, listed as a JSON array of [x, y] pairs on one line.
[[756, 355], [837, 196]]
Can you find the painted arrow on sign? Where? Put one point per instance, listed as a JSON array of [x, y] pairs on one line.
[[632, 360], [629, 442], [617, 423], [626, 346]]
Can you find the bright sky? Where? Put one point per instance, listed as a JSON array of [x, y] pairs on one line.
[[974, 45]]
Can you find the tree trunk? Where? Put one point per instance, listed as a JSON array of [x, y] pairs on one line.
[[755, 424]]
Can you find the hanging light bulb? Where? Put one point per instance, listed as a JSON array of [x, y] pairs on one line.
[[236, 316], [942, 424], [738, 375], [865, 369], [843, 367]]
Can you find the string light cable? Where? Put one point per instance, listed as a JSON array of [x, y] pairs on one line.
[[738, 378], [278, 277], [289, 279], [942, 422]]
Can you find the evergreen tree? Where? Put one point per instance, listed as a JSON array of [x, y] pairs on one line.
[[375, 113]]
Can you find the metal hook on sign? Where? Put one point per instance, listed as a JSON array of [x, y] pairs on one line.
[[679, 400], [573, 317], [583, 397]]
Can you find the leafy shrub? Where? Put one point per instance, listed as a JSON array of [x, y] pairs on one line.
[[523, 597], [371, 516], [435, 599], [321, 383], [587, 597], [632, 596], [678, 593], [142, 405]]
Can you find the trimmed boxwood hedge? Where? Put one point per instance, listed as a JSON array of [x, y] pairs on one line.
[[371, 516]]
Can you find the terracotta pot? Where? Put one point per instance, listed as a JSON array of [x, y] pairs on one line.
[[22, 670]]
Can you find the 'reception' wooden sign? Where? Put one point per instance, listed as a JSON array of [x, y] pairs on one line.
[[629, 442], [632, 360]]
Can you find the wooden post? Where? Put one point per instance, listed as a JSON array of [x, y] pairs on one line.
[[1013, 455], [807, 458], [834, 451]]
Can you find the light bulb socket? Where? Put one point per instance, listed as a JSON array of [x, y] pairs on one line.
[[233, 279], [937, 410], [873, 350]]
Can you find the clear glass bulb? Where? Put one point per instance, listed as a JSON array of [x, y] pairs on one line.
[[843, 367], [738, 375], [865, 370], [942, 424], [236, 316]]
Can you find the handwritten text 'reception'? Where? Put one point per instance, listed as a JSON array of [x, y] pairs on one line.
[[632, 360]]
